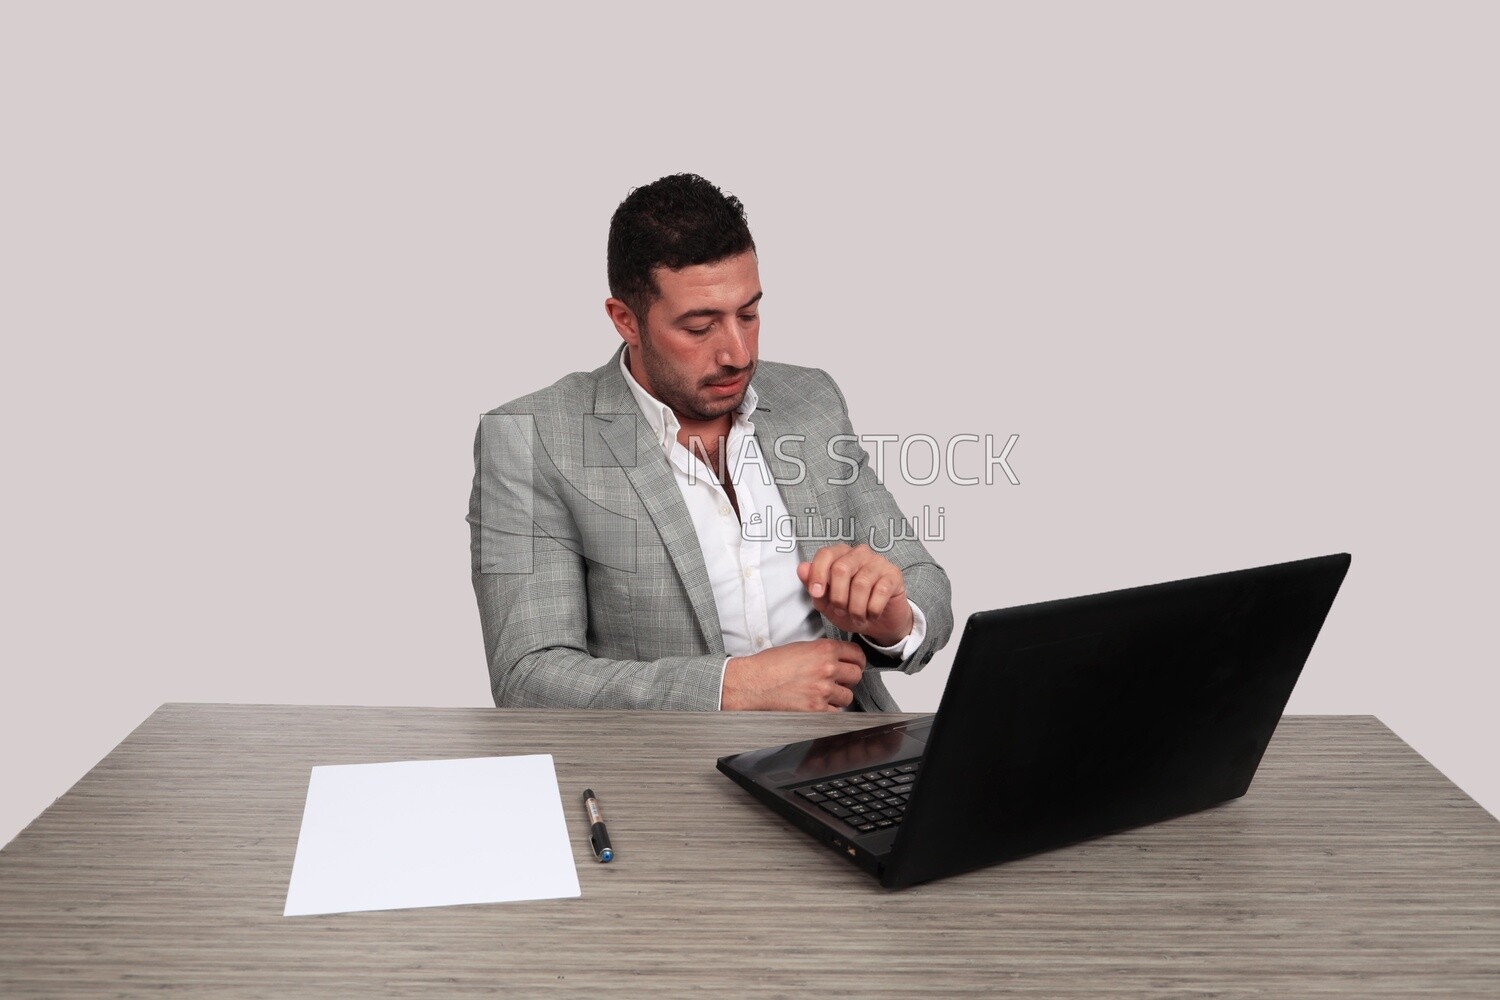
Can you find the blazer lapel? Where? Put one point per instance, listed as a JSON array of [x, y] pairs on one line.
[[796, 490], [624, 430], [810, 524]]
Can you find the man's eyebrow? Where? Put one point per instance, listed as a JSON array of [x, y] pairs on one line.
[[705, 313]]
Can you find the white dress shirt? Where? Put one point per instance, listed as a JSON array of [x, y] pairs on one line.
[[760, 600]]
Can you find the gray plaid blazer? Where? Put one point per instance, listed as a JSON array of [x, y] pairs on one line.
[[591, 584]]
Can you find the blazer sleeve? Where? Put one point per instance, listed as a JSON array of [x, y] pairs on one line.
[[530, 579], [875, 510]]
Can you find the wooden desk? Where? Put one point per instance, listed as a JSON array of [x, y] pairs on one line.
[[1353, 868]]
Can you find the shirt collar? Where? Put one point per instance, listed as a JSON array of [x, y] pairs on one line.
[[659, 416]]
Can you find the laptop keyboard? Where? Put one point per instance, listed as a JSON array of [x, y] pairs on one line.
[[868, 801]]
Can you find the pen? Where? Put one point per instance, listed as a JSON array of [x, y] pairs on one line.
[[598, 835]]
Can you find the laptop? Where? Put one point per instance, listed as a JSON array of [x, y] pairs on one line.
[[1060, 722]]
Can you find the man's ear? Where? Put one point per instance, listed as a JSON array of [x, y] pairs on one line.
[[624, 320]]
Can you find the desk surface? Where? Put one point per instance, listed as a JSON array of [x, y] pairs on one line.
[[1351, 868]]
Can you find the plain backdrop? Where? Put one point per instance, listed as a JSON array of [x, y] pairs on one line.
[[1228, 270]]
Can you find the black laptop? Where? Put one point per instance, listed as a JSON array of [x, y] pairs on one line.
[[1063, 721]]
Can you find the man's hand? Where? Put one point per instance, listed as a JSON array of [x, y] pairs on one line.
[[814, 676], [859, 590]]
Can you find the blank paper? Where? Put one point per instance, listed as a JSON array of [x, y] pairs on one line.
[[431, 833]]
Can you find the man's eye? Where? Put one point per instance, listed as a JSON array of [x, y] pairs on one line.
[[750, 317], [701, 329]]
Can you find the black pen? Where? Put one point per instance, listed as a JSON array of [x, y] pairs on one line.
[[598, 835]]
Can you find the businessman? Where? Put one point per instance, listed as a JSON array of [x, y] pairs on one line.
[[687, 526]]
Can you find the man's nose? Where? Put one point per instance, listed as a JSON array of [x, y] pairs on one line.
[[734, 350]]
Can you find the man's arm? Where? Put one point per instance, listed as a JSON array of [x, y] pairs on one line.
[[530, 579]]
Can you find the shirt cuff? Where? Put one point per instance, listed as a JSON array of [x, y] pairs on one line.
[[906, 647], [725, 669]]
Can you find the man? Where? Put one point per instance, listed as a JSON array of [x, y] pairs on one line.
[[653, 534]]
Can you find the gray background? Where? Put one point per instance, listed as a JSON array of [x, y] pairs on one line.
[[1229, 271]]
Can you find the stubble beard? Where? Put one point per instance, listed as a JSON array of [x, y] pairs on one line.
[[681, 393]]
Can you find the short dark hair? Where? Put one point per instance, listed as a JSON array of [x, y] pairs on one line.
[[676, 222]]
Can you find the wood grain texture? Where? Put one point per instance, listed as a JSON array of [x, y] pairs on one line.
[[1352, 868]]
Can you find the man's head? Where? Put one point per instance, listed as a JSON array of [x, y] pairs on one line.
[[685, 292]]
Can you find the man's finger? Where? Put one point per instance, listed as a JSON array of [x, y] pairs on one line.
[[848, 674], [849, 652], [862, 588], [886, 590], [843, 571], [817, 574]]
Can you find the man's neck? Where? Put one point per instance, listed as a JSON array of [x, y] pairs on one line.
[[705, 434]]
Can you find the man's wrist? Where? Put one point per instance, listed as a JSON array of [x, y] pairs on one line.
[[723, 675], [903, 647], [894, 640]]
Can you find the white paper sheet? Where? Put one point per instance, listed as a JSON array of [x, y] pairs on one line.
[[431, 833]]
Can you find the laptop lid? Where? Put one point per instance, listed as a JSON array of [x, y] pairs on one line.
[[1071, 719]]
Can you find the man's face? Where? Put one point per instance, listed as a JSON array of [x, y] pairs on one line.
[[700, 340]]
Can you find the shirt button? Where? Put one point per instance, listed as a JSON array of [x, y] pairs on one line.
[[749, 572], [724, 510], [760, 640]]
